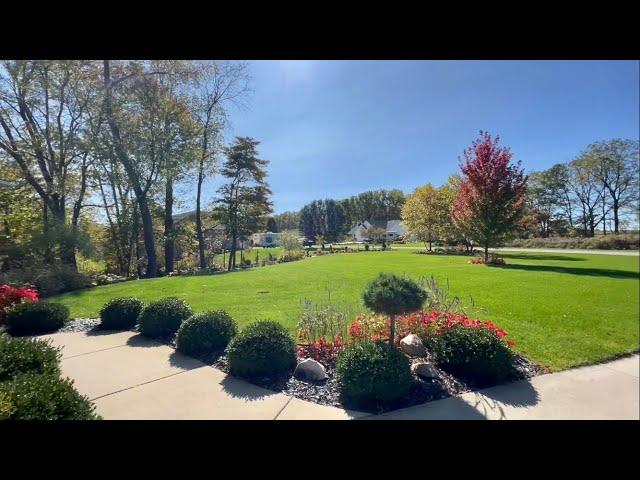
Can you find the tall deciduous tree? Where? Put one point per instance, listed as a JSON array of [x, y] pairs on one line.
[[42, 116], [220, 84], [426, 213], [244, 201], [492, 195], [616, 165]]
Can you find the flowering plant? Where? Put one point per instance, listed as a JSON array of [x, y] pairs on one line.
[[432, 323], [323, 351], [10, 296], [372, 327]]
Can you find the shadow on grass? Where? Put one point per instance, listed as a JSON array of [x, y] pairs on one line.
[[539, 256], [590, 272]]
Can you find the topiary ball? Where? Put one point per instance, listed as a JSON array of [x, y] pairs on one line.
[[473, 353], [34, 396], [120, 313], [373, 373], [21, 355], [393, 295], [34, 318], [204, 333], [263, 348], [163, 317]]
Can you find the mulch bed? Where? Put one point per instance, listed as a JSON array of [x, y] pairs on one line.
[[327, 392]]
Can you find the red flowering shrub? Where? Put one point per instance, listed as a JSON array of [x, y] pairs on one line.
[[323, 351], [10, 296], [374, 327], [429, 324]]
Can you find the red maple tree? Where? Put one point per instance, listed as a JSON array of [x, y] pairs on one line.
[[492, 195]]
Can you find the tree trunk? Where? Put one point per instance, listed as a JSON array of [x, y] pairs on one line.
[[169, 238], [147, 234], [136, 236], [199, 232], [486, 253], [67, 244], [616, 219]]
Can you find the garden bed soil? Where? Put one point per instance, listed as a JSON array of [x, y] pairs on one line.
[[327, 392]]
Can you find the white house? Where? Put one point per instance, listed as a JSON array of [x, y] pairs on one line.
[[394, 229], [265, 239]]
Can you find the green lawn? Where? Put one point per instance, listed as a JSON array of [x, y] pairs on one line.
[[562, 309]]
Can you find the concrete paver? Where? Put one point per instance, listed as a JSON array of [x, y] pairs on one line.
[[201, 394], [79, 343], [114, 369], [298, 409]]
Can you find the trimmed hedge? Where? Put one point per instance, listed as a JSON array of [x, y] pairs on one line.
[[373, 372], [263, 348], [163, 317], [20, 355], [34, 318], [34, 396], [120, 313], [204, 333], [473, 353]]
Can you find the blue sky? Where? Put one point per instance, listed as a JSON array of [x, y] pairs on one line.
[[332, 129]]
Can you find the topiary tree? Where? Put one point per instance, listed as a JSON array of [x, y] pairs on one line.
[[393, 295]]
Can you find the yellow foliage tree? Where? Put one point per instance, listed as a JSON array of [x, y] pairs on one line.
[[426, 213]]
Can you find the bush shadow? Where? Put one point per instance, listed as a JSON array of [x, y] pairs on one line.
[[140, 340], [590, 272], [238, 388], [539, 256], [490, 402]]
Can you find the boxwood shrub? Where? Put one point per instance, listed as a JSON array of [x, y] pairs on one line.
[[263, 348], [373, 373], [35, 396], [35, 318], [21, 355], [120, 313], [473, 353], [204, 333], [163, 317]]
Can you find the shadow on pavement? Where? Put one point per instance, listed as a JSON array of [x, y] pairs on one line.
[[240, 389]]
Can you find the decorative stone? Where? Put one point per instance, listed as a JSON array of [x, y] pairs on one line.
[[310, 369], [413, 346], [424, 370]]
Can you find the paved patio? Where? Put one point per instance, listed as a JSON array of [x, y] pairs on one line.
[[131, 377]]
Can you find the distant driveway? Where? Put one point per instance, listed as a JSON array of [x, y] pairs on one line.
[[627, 253]]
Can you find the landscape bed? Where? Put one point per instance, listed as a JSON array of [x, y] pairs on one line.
[[563, 310]]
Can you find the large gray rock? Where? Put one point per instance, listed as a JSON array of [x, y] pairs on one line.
[[424, 370], [309, 369], [413, 346]]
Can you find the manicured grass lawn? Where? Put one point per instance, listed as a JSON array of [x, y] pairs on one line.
[[563, 310]]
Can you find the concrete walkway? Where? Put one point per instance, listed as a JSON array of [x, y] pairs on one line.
[[130, 377]]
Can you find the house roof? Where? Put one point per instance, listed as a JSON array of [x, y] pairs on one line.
[[396, 226]]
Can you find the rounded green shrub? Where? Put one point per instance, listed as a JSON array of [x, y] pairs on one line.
[[393, 295], [34, 396], [263, 348], [34, 318], [21, 355], [163, 317], [373, 373], [120, 313], [473, 353], [204, 333]]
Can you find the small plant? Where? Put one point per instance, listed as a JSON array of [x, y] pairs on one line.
[[11, 296], [34, 396], [477, 354], [35, 318], [163, 317], [373, 372], [373, 327], [393, 295], [321, 321], [204, 333], [323, 351], [120, 313], [491, 260], [263, 348], [21, 355]]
